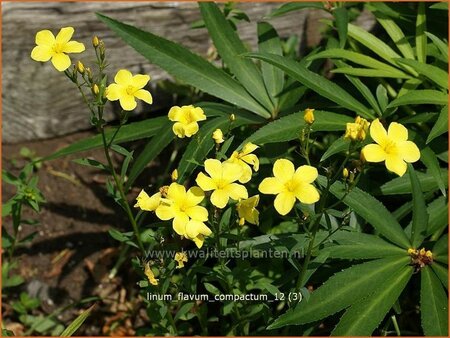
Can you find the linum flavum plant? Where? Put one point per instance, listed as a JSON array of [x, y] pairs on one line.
[[350, 172]]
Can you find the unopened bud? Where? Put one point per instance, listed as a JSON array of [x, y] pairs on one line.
[[102, 50], [345, 173], [95, 89], [241, 221], [80, 67], [232, 117], [174, 175], [309, 116], [218, 136], [89, 74], [95, 41]]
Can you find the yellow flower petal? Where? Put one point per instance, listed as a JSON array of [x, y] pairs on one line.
[[307, 193], [64, 35], [127, 102], [197, 113], [176, 193], [145, 202], [114, 92], [236, 191], [231, 172], [45, 38], [179, 223], [284, 202], [190, 129], [306, 173], [283, 170], [195, 228], [197, 213], [199, 241], [246, 173], [194, 196], [248, 148], [397, 132], [178, 129], [61, 61], [271, 185], [73, 47], [140, 80], [144, 95], [175, 113], [214, 168], [205, 182], [377, 132], [373, 153], [42, 53], [409, 151], [396, 164], [165, 212], [220, 198], [123, 77], [251, 159]]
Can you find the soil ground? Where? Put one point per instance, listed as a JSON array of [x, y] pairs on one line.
[[71, 256]]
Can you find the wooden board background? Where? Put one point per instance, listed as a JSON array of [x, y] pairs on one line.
[[39, 102]]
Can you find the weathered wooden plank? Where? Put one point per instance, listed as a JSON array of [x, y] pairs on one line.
[[38, 102]]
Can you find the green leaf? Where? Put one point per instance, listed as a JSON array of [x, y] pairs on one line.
[[402, 185], [355, 245], [358, 58], [438, 211], [423, 96], [396, 34], [341, 21], [435, 74], [441, 272], [185, 65], [420, 215], [440, 249], [341, 290], [75, 325], [363, 317], [230, 47], [319, 84], [131, 132], [152, 149], [440, 5], [372, 210], [421, 38], [185, 308], [365, 72], [294, 6], [338, 146], [441, 45], [441, 125], [289, 127], [429, 158], [371, 42], [269, 42], [91, 163], [434, 304], [382, 97]]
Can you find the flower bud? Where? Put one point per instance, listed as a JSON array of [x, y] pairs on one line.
[[80, 67], [345, 172], [95, 41], [89, 74], [232, 117], [309, 116], [174, 175], [95, 89], [218, 136]]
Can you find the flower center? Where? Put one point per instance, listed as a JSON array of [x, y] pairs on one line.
[[390, 147], [58, 47], [291, 185], [130, 90]]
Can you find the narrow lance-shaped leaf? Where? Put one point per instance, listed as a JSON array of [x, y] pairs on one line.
[[435, 74], [230, 47], [372, 210], [441, 45], [363, 317], [75, 325], [423, 96], [341, 290], [294, 6], [319, 84], [429, 158], [421, 38], [341, 21], [420, 215], [434, 304], [441, 125], [396, 34], [185, 65]]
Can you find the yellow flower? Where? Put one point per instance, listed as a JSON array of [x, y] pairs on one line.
[[218, 136], [48, 47], [188, 216], [247, 210], [245, 158], [357, 131], [150, 275], [186, 118], [127, 88], [221, 181], [147, 203], [309, 116], [392, 147], [289, 184], [181, 258]]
